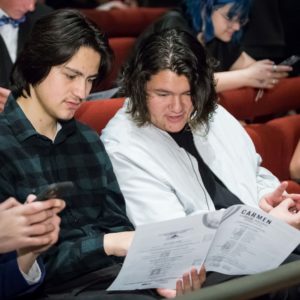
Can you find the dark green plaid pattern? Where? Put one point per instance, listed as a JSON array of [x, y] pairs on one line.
[[30, 161]]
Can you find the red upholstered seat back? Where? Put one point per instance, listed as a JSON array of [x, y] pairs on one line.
[[124, 22], [97, 113], [241, 103], [122, 48], [276, 141], [122, 26]]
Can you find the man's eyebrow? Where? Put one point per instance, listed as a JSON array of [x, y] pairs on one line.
[[78, 72], [157, 90], [73, 70], [162, 90]]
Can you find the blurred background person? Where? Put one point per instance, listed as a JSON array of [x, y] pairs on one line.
[[270, 32], [17, 18], [218, 25]]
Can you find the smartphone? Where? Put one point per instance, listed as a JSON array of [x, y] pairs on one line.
[[291, 60], [55, 190]]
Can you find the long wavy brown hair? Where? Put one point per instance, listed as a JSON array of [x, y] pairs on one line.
[[181, 53]]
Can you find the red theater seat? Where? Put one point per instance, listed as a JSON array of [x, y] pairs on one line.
[[122, 48], [124, 22], [284, 97]]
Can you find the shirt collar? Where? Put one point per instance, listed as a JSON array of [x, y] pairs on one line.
[[24, 130]]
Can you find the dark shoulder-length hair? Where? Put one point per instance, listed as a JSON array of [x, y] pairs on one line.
[[181, 53], [54, 40]]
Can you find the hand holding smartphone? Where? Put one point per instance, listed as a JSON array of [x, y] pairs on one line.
[[55, 190]]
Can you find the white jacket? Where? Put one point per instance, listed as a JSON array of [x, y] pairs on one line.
[[161, 181]]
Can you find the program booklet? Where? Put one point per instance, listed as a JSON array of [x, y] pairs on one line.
[[237, 241]]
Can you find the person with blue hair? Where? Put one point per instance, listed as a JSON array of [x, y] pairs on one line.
[[218, 25]]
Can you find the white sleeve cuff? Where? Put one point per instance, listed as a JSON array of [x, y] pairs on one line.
[[34, 274]]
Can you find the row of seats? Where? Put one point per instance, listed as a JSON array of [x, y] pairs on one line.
[[124, 22]]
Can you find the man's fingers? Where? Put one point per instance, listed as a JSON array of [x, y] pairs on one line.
[[40, 229], [196, 283], [40, 216], [295, 197], [30, 198], [179, 288], [190, 281], [167, 293], [280, 189], [287, 204], [187, 287], [42, 242], [35, 241], [202, 275], [264, 205], [38, 206], [9, 203]]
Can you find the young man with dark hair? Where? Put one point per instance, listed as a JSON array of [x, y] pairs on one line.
[[176, 152], [41, 143]]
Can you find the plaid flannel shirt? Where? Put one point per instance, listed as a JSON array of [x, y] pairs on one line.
[[30, 161]]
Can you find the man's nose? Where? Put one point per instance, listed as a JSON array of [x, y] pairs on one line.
[[80, 89], [176, 104]]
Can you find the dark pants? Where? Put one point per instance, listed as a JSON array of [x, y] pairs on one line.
[[90, 286]]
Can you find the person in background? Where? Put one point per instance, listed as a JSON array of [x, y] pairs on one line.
[[41, 143], [17, 18], [25, 232], [264, 34], [218, 26]]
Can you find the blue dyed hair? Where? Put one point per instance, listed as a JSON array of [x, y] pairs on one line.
[[199, 13]]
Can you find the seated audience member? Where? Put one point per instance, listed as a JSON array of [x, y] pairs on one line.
[[17, 18], [41, 143], [218, 25], [264, 35], [295, 164], [25, 232], [175, 152]]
